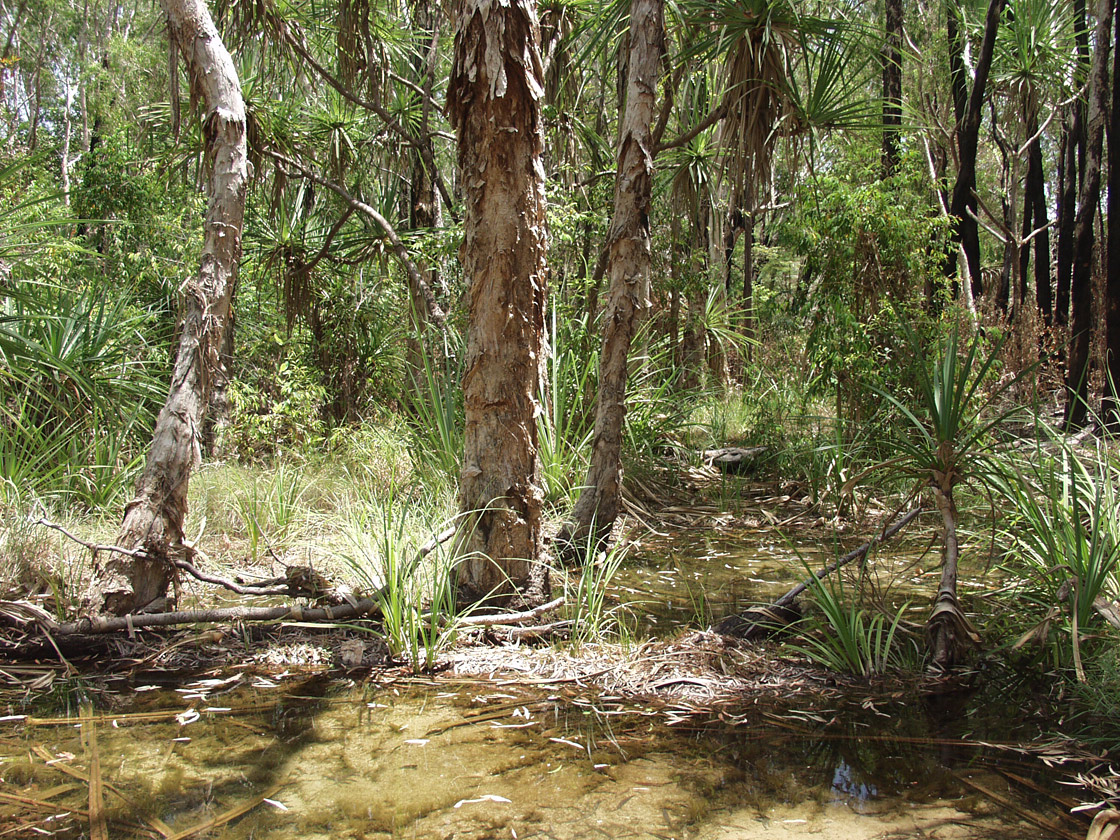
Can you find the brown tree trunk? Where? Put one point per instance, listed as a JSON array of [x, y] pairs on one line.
[[494, 101], [1110, 399], [892, 86], [966, 233], [944, 639], [154, 519], [1081, 284], [629, 269]]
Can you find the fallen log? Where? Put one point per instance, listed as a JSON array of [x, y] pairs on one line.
[[766, 620]]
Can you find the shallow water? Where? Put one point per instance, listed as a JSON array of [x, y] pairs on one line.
[[306, 758], [693, 578], [457, 759]]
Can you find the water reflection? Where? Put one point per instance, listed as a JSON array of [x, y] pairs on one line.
[[463, 760]]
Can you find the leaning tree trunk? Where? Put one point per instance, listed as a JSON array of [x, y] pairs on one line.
[[153, 520], [629, 269], [1081, 285], [966, 233], [494, 100], [1110, 399]]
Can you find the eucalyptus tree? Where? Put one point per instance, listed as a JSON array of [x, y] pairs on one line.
[[1071, 168], [154, 519], [495, 103], [1081, 283], [892, 85]]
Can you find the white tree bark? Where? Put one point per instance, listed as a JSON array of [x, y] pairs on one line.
[[154, 518]]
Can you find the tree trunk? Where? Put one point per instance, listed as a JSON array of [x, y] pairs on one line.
[[494, 101], [629, 269], [944, 640], [1110, 399], [1081, 284], [966, 233], [892, 86], [1034, 207], [1070, 169], [154, 518]]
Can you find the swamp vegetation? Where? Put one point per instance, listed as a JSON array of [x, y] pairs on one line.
[[517, 419]]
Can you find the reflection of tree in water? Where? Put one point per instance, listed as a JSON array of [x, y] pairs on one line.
[[847, 782]]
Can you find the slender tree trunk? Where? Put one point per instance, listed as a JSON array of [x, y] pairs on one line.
[[1034, 207], [942, 628], [892, 86], [748, 274], [966, 233], [494, 101], [1081, 285], [1110, 399], [154, 518], [629, 269], [1070, 172]]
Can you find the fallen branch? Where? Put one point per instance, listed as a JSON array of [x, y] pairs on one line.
[[96, 548], [91, 626], [510, 618], [781, 611]]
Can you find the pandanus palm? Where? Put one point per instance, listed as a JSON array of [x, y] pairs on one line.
[[950, 444]]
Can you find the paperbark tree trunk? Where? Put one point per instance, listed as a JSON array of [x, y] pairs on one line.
[[494, 101], [1081, 284], [966, 233], [629, 269], [154, 519]]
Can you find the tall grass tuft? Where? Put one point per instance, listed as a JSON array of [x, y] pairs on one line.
[[587, 597], [417, 599], [855, 641], [79, 401], [1064, 544]]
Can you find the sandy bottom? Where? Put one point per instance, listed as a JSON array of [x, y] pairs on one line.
[[480, 762]]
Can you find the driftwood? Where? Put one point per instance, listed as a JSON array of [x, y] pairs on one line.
[[761, 621]]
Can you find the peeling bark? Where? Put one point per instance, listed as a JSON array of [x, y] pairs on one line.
[[629, 268], [154, 518], [494, 102]]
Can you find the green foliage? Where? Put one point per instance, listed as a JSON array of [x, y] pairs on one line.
[[1063, 539], [564, 431], [143, 229], [79, 395], [269, 416], [855, 640], [953, 416], [435, 405], [417, 599], [869, 252], [587, 600]]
